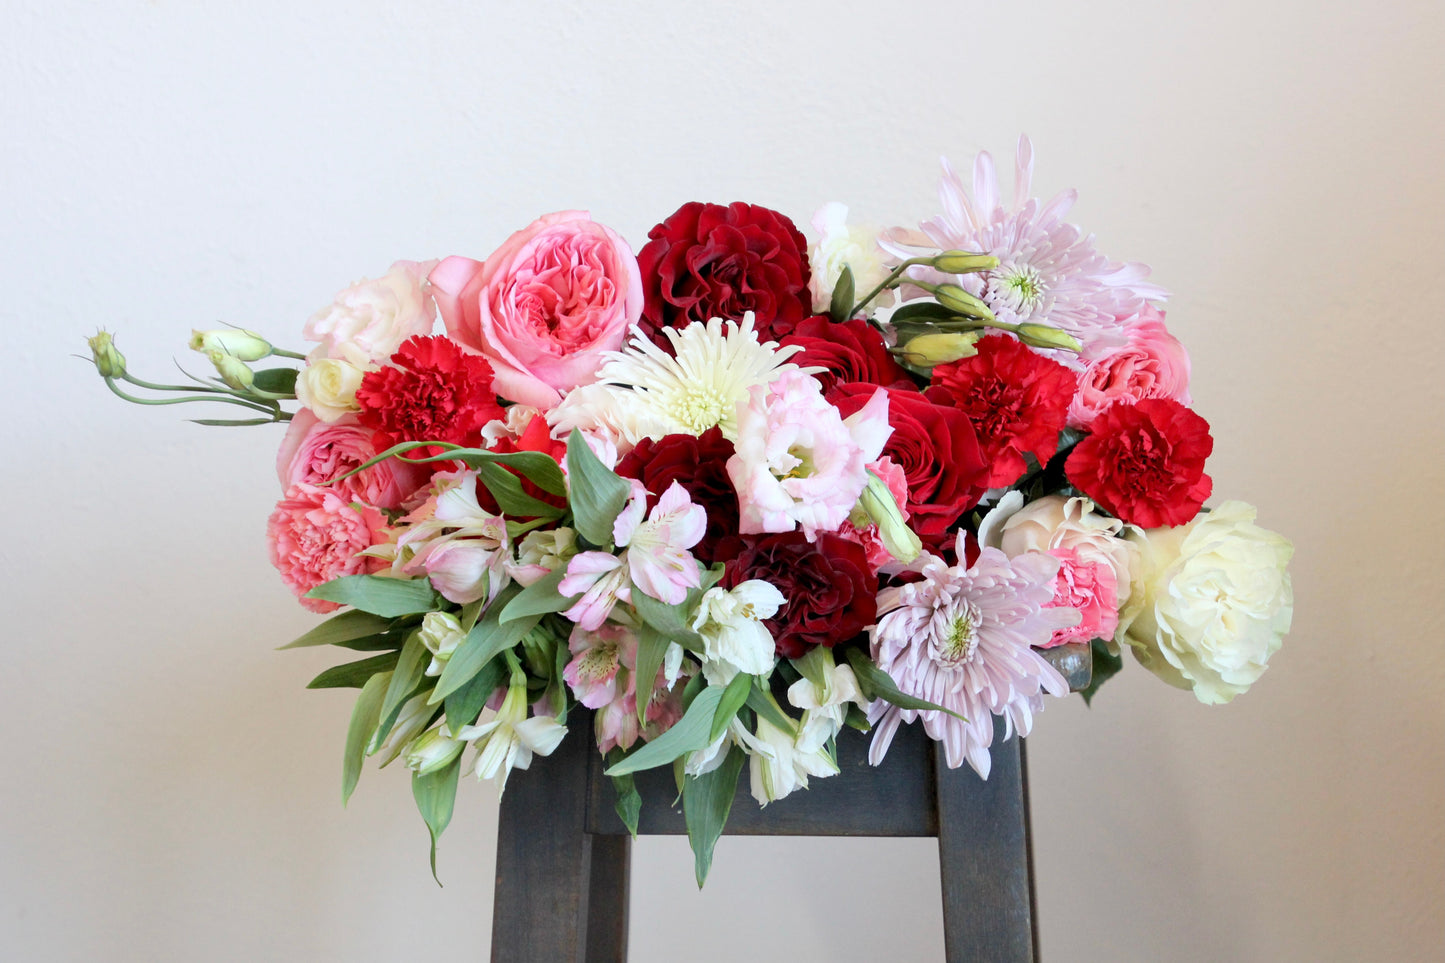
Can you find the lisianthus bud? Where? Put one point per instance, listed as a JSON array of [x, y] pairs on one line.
[[1044, 336], [431, 751], [108, 361], [242, 345], [233, 371], [927, 350], [959, 301], [441, 633], [878, 502], [964, 262]]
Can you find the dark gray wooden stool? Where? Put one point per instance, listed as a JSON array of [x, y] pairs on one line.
[[563, 855]]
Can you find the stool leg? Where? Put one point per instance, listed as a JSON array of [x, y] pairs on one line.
[[607, 901], [984, 857]]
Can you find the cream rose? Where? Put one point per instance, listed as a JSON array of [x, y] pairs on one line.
[[369, 320], [1210, 602], [841, 246], [328, 387]]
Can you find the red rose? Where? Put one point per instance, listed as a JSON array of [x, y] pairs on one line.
[[851, 351], [935, 446], [831, 594], [700, 466], [1016, 398], [1145, 462], [709, 261], [431, 391]]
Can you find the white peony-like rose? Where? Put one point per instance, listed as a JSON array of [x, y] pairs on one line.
[[328, 388], [1210, 602], [842, 246], [369, 320]]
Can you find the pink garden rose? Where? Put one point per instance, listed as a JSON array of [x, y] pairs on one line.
[[369, 320], [315, 453], [545, 306], [1153, 364], [315, 535]]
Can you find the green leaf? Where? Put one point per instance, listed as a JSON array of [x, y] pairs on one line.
[[670, 620], [857, 718], [388, 722], [840, 308], [706, 802], [364, 717], [410, 663], [762, 703], [539, 598], [481, 644], [814, 666], [379, 595], [928, 310], [393, 640], [597, 492], [733, 699], [465, 704], [877, 684], [629, 802], [506, 488], [1106, 666], [345, 627], [435, 794], [353, 675], [467, 617], [276, 381], [651, 649], [689, 734], [541, 470]]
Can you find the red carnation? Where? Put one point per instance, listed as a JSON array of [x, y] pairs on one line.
[[830, 591], [1145, 462], [936, 448], [432, 390], [848, 352], [699, 465], [709, 261], [1016, 398]]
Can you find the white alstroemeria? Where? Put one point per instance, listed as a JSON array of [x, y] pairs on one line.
[[509, 739], [432, 750], [413, 718], [441, 633], [541, 552], [709, 757], [786, 765], [731, 625], [825, 708]]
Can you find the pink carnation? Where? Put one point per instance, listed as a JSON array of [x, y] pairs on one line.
[[315, 535], [314, 453], [1153, 364], [1089, 588]]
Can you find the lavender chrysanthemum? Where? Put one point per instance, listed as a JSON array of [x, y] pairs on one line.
[[1048, 273], [961, 639]]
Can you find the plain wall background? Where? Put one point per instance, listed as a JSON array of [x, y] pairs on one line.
[[168, 791]]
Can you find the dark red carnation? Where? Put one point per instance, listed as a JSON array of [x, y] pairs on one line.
[[698, 465], [935, 446], [432, 390], [831, 594], [1016, 398], [851, 351], [710, 261], [1145, 462]]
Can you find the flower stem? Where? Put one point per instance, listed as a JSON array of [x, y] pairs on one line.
[[888, 281]]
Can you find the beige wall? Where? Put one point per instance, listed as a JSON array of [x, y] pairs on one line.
[[169, 791]]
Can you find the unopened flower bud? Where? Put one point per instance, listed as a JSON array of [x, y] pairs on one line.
[[964, 262], [1044, 336], [928, 350], [441, 633], [431, 751], [241, 345], [959, 301], [108, 361], [232, 370], [878, 502]]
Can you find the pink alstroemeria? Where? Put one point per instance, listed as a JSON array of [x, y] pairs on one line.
[[657, 549], [597, 658], [601, 579]]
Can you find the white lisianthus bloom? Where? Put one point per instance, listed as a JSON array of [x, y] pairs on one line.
[[328, 387], [509, 740], [731, 625], [841, 246], [1210, 602]]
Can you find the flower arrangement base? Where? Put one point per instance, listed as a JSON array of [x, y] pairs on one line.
[[564, 856]]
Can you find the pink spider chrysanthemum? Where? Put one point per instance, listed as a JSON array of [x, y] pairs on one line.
[[961, 638], [1048, 273]]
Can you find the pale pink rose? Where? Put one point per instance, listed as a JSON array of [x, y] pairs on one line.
[[369, 320], [1153, 364], [545, 306], [1090, 589], [314, 452], [315, 535]]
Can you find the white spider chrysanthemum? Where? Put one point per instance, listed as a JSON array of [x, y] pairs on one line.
[[644, 392]]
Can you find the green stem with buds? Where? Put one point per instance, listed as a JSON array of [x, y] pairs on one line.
[[273, 410], [888, 281]]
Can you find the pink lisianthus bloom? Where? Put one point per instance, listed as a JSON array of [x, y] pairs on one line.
[[315, 536], [316, 453], [798, 462], [545, 306], [1153, 364], [658, 559], [962, 638], [1091, 589], [369, 320], [600, 578]]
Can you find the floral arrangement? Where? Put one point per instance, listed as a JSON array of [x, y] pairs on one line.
[[737, 491]]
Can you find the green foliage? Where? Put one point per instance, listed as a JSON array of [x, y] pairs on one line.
[[354, 675], [629, 800], [435, 794], [410, 664], [463, 705], [840, 308], [482, 644], [539, 598], [1106, 666], [364, 717], [733, 699], [276, 381], [345, 627], [651, 650], [688, 735], [706, 802], [874, 683], [390, 597], [506, 488], [597, 494], [762, 703]]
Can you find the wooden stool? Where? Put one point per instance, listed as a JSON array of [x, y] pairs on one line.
[[563, 855]]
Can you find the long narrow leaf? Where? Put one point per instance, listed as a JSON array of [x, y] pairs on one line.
[[651, 648], [353, 675], [506, 488], [410, 664], [379, 595], [346, 627], [481, 644], [435, 794], [689, 734], [364, 717], [733, 699], [596, 493], [877, 684], [706, 802], [539, 598], [762, 703], [670, 620], [465, 704]]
